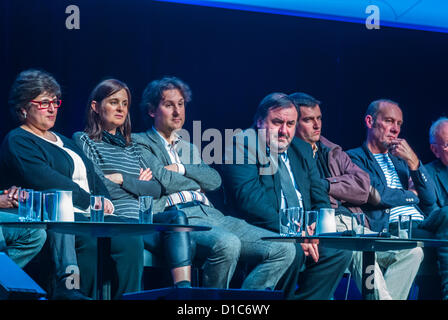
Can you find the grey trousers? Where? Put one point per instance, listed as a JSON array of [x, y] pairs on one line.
[[395, 270], [231, 240]]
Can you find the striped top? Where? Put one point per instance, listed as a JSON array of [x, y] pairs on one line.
[[111, 155], [393, 181]]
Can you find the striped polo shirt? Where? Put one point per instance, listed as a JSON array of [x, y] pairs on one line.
[[393, 181]]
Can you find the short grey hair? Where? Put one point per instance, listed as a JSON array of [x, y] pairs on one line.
[[374, 107], [435, 128]]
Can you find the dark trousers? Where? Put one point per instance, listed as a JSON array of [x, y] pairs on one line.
[[315, 281], [125, 261], [175, 247]]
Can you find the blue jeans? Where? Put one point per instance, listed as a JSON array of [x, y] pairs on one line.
[[20, 244], [231, 240]]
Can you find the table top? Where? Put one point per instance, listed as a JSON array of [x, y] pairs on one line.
[[104, 229], [364, 243]]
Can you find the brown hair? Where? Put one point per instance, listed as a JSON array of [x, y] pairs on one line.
[[104, 89]]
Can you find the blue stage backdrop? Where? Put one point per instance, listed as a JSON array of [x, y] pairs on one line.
[[230, 58]]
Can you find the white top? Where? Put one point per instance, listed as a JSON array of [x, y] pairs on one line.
[[80, 173], [172, 152]]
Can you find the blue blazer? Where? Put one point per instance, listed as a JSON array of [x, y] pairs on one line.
[[378, 215], [439, 175]]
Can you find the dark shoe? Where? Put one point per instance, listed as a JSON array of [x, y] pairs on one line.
[[60, 292], [183, 284], [67, 294]]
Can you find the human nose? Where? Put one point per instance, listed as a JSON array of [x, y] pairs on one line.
[[282, 129], [52, 107], [395, 128]]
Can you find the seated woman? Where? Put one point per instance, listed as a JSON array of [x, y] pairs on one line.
[[107, 142], [35, 157]]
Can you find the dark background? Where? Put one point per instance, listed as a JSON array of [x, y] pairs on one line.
[[231, 59]]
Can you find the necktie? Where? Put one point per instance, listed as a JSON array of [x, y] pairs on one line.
[[287, 186]]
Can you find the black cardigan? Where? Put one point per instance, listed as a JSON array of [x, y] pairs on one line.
[[31, 162]]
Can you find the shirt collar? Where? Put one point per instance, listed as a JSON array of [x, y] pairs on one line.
[[315, 149], [165, 143]]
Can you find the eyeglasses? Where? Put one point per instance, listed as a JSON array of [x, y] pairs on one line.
[[444, 146], [45, 104]]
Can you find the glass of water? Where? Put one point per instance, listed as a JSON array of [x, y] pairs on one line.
[[145, 209], [96, 208]]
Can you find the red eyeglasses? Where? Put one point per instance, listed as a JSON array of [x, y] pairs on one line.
[[45, 104]]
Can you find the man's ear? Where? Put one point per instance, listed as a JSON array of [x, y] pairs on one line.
[[435, 150], [369, 121], [151, 113]]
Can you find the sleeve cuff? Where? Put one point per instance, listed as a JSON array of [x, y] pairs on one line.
[[181, 168]]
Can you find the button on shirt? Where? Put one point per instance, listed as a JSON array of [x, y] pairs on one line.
[[284, 157]]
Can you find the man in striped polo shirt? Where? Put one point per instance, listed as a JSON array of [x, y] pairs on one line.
[[402, 184], [349, 187]]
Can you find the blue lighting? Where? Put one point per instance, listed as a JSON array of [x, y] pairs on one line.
[[428, 15]]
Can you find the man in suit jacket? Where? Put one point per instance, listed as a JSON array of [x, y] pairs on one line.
[[176, 164], [438, 171], [402, 183], [278, 172], [349, 187]]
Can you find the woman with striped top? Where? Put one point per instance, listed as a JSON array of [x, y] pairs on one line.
[[107, 142]]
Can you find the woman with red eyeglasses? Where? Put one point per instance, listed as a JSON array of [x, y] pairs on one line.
[[33, 156]]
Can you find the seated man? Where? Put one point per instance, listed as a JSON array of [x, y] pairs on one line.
[[20, 244], [257, 188], [348, 187], [401, 181], [438, 171], [177, 165]]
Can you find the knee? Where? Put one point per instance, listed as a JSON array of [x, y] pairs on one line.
[[180, 218], [176, 217], [228, 247], [417, 255], [39, 237], [286, 251]]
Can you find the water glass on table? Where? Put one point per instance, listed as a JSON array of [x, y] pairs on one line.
[[358, 223], [37, 206], [25, 211], [49, 206], [405, 227], [291, 221], [96, 208], [310, 223], [145, 209]]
